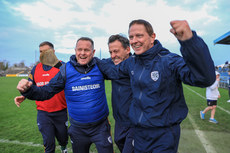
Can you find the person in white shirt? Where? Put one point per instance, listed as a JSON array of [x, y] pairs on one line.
[[212, 94]]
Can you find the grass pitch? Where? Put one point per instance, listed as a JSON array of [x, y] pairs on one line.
[[19, 131]]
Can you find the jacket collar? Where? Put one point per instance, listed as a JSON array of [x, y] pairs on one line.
[[82, 68], [74, 62], [151, 53]]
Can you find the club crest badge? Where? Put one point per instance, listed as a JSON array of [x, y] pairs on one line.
[[155, 75]]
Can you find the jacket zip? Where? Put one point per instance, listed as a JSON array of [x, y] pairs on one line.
[[140, 95]]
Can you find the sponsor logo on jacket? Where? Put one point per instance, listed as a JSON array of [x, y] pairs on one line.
[[86, 78], [86, 87], [39, 84], [47, 74]]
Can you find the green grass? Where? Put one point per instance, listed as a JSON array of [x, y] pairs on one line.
[[18, 127], [20, 124], [217, 134], [17, 123]]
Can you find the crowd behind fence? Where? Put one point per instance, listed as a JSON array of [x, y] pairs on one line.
[[224, 76]]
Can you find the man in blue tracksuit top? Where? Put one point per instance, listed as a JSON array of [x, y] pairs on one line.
[[84, 88], [156, 77], [121, 95]]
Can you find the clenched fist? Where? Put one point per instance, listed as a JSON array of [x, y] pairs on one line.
[[181, 30], [24, 85]]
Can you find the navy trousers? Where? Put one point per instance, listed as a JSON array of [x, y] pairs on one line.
[[51, 125], [83, 137], [123, 137], [157, 140]]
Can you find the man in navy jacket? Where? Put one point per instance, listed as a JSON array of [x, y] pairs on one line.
[[121, 95], [83, 84], [156, 75]]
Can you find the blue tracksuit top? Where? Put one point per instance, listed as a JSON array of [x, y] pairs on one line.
[[121, 99], [156, 78], [62, 80]]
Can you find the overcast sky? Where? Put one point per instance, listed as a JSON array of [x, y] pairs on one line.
[[24, 24]]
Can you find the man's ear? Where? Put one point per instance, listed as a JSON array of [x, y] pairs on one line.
[[153, 37]]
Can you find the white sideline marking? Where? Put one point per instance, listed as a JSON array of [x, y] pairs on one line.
[[30, 144], [20, 143], [221, 108], [201, 136]]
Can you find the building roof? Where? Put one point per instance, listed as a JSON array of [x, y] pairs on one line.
[[224, 39]]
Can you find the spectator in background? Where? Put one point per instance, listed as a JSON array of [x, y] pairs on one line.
[[226, 64], [52, 117], [212, 94], [227, 68], [229, 85]]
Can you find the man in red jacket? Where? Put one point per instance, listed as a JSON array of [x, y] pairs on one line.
[[52, 117]]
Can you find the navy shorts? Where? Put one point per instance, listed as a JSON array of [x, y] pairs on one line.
[[211, 102], [51, 125], [83, 137]]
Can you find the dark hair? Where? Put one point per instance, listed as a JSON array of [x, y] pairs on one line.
[[124, 41], [148, 26], [87, 39], [47, 43]]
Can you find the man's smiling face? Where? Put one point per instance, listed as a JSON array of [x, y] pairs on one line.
[[84, 52], [139, 38]]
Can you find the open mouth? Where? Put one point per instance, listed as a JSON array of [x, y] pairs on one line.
[[83, 57], [136, 46]]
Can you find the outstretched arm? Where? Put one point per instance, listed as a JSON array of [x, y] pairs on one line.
[[46, 92]]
